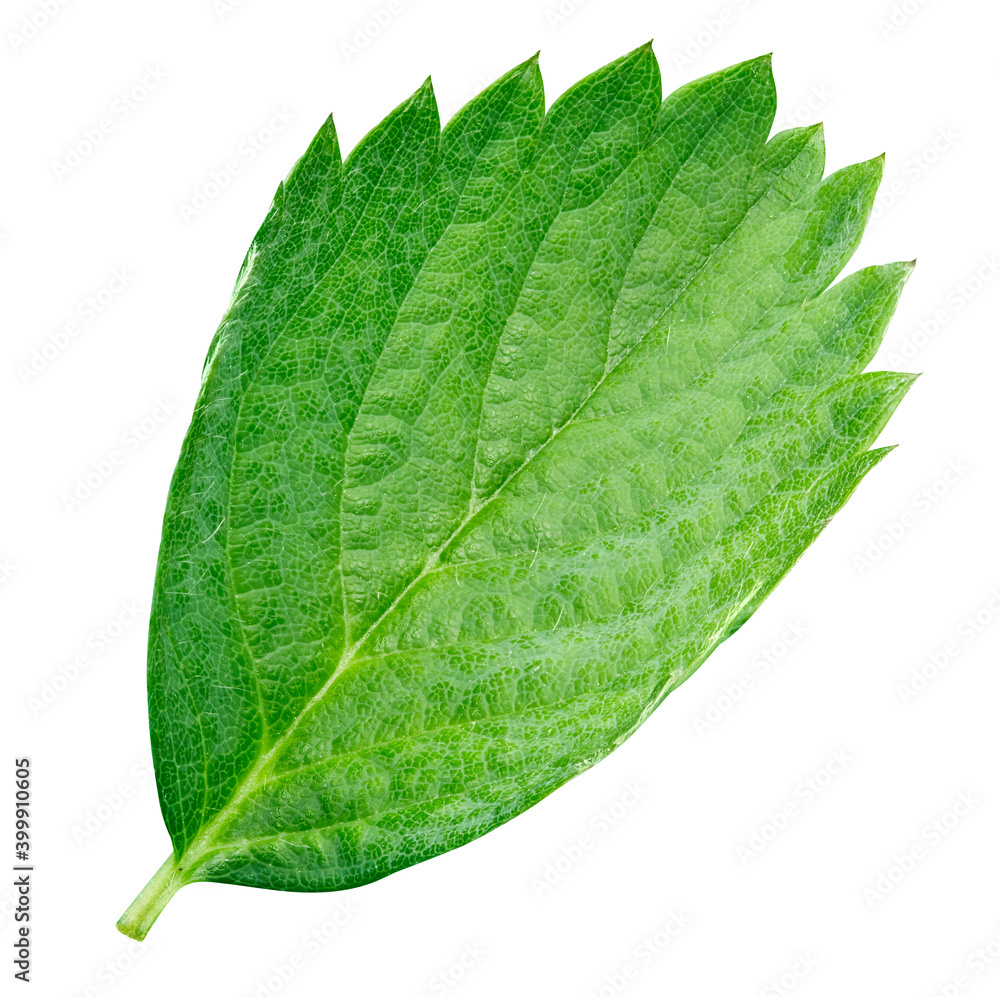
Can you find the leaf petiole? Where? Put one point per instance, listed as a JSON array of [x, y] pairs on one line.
[[149, 904]]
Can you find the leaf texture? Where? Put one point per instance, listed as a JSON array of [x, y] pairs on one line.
[[507, 426]]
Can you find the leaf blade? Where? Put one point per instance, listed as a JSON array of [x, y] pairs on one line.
[[506, 428]]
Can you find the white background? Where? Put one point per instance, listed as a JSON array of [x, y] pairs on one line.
[[903, 570]]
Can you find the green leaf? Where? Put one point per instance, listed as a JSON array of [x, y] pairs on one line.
[[506, 428]]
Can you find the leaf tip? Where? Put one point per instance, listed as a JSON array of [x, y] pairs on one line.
[[878, 167], [870, 459], [897, 387], [530, 66], [327, 134], [868, 172], [902, 271], [640, 55], [905, 379], [759, 67], [424, 98], [424, 94]]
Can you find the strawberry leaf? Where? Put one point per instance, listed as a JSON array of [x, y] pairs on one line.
[[507, 426]]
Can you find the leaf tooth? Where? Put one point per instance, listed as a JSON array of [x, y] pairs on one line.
[[414, 112]]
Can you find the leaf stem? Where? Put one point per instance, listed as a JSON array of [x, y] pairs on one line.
[[155, 895]]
